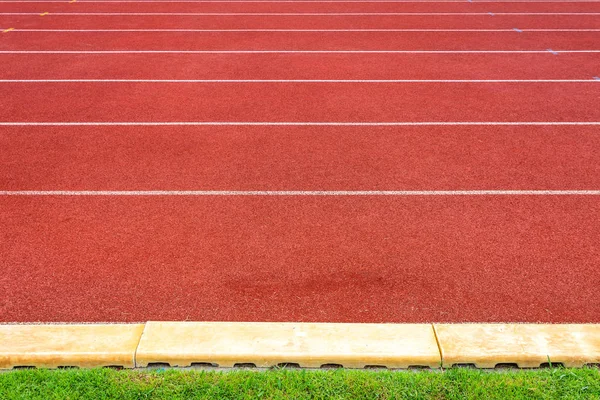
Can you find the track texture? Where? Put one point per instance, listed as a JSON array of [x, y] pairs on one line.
[[388, 258]]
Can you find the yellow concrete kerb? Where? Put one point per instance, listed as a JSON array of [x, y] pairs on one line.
[[309, 345], [527, 345], [52, 346]]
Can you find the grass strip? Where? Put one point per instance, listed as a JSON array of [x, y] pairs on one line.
[[557, 383]]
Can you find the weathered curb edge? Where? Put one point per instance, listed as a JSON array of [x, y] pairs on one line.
[[310, 345], [526, 345], [53, 346]]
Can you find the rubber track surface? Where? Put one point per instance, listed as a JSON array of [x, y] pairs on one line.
[[391, 258], [300, 22], [300, 66]]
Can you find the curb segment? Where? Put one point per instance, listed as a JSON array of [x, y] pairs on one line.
[[53, 346], [527, 345], [310, 345]]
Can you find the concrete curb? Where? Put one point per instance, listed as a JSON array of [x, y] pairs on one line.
[[53, 346], [310, 345], [526, 345]]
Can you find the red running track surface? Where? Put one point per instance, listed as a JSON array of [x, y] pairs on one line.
[[304, 7], [301, 102], [386, 258], [480, 22], [511, 40], [543, 65], [345, 259], [300, 158]]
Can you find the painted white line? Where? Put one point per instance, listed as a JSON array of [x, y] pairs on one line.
[[303, 1], [292, 51], [304, 30], [138, 14], [300, 193], [560, 30], [274, 123], [262, 30], [298, 80]]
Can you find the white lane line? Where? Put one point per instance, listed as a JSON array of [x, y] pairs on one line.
[[298, 80], [545, 51], [304, 30], [300, 193], [136, 14], [303, 1], [559, 30], [275, 123]]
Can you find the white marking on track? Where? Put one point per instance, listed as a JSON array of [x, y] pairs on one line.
[[304, 1], [300, 193], [137, 14], [292, 51], [275, 123], [304, 30], [298, 80], [559, 30]]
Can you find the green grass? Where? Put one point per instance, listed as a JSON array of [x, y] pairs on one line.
[[558, 383]]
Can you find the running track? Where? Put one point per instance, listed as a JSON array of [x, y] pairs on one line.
[[339, 161]]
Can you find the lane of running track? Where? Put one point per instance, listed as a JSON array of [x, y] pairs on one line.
[[337, 258], [300, 158], [301, 102], [543, 65], [301, 41], [307, 7], [486, 21], [361, 259]]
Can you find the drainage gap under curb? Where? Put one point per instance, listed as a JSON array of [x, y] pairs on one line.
[[158, 365], [203, 365], [375, 367], [244, 365], [507, 366], [464, 365], [288, 365], [552, 365], [331, 366]]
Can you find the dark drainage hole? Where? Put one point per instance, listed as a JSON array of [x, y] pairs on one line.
[[67, 367], [552, 365], [507, 366], [464, 365], [288, 365], [592, 365], [332, 366], [418, 367], [244, 365], [204, 365], [375, 367], [158, 365], [23, 367]]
